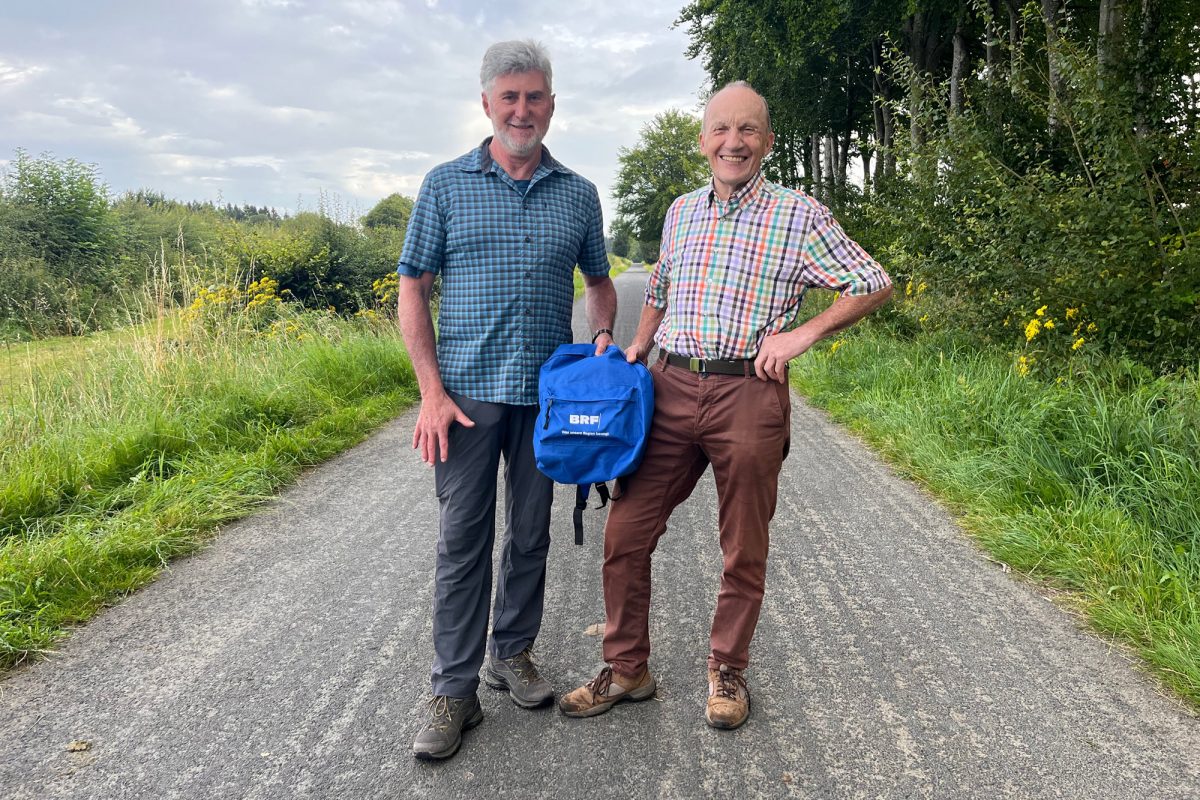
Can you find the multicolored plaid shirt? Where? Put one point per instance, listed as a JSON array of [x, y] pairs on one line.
[[507, 260], [731, 273]]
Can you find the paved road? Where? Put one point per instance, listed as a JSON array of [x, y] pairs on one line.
[[290, 659]]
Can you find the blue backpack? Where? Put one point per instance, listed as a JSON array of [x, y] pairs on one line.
[[593, 417]]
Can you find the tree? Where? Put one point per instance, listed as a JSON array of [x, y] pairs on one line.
[[392, 211], [619, 235], [64, 215], [665, 164], [647, 252]]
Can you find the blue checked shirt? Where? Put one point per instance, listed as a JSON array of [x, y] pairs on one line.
[[507, 261]]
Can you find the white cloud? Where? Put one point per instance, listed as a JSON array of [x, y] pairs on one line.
[[12, 74], [274, 100]]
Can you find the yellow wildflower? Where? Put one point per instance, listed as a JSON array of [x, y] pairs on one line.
[[833, 348], [1041, 312], [1023, 365], [1071, 312], [1091, 328], [1078, 343], [1033, 329], [1049, 324]]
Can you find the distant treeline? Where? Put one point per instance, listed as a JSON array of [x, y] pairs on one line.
[[73, 259]]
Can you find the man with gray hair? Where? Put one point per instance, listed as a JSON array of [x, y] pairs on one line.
[[504, 226]]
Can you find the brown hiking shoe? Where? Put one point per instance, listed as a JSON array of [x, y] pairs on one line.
[[606, 690], [728, 698]]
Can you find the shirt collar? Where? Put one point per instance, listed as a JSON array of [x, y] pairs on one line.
[[742, 197], [481, 161]]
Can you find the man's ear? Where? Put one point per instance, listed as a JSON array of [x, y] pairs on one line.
[[486, 109]]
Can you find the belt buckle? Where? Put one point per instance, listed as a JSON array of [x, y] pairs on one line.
[[696, 364]]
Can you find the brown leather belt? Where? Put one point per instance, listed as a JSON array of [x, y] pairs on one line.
[[713, 366]]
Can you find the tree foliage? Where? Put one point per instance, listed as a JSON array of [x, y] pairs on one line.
[[73, 259], [1017, 157], [665, 163], [392, 211]]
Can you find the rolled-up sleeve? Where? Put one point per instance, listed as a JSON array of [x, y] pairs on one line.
[[835, 261]]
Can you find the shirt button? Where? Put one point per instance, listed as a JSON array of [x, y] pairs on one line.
[[529, 238], [528, 274]]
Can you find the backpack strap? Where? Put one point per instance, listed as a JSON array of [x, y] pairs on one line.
[[581, 497]]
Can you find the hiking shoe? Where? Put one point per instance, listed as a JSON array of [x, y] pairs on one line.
[[606, 690], [728, 698], [518, 674], [448, 718]]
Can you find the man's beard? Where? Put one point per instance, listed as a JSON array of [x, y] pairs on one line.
[[518, 149]]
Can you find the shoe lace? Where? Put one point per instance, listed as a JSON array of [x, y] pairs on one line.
[[600, 684], [440, 713], [729, 682], [524, 666]]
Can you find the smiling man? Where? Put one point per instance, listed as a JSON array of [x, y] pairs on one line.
[[737, 256], [504, 226]]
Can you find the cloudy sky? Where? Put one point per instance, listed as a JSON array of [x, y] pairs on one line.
[[274, 102]]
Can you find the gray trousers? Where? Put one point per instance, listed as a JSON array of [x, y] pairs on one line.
[[466, 491]]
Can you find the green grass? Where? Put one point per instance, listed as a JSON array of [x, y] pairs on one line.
[[1091, 484], [616, 264], [120, 452]]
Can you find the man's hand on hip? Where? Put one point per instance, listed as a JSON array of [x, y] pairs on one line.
[[775, 353], [432, 434]]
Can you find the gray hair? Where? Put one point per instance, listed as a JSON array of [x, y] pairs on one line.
[[740, 85], [507, 58]]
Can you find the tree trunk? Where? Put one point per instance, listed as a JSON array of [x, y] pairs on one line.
[[1108, 40], [1141, 80], [865, 154], [847, 125], [958, 67], [830, 160], [916, 39], [1050, 12], [814, 169], [884, 122], [1014, 26], [991, 38]]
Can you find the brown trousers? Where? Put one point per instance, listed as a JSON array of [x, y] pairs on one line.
[[739, 425]]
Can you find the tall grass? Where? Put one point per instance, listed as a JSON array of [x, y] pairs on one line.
[[117, 460], [1091, 483]]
